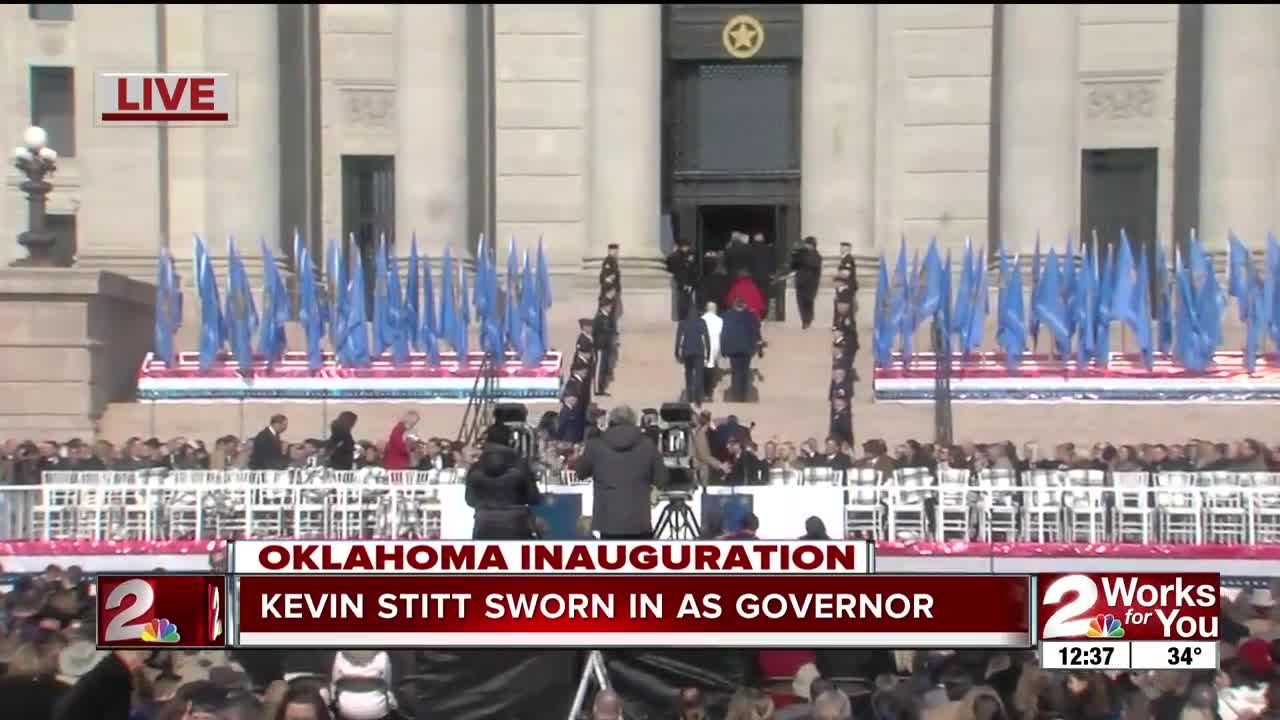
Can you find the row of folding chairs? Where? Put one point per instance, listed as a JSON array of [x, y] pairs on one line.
[[1065, 506]]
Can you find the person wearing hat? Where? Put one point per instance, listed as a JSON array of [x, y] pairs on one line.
[[1262, 604], [806, 263], [604, 336]]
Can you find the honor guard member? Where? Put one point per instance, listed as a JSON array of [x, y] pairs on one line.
[[841, 421], [584, 351], [683, 267], [610, 275], [847, 275], [806, 263], [604, 334]]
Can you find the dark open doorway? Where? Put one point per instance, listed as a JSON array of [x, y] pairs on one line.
[[1119, 192], [716, 223]]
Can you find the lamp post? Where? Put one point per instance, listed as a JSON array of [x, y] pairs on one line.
[[37, 161]]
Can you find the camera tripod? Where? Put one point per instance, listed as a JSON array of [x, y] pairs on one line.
[[677, 521]]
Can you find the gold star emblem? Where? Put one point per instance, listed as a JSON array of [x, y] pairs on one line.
[[743, 36]]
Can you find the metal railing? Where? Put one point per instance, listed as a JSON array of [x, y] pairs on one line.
[[1036, 506]]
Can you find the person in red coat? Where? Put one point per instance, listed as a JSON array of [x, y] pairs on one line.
[[396, 456], [744, 288]]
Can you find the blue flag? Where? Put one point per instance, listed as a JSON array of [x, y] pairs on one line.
[[964, 295], [242, 316], [981, 303], [1141, 315], [309, 312], [544, 293], [1188, 343], [1164, 300], [335, 277], [1011, 334], [449, 321], [381, 312], [166, 311], [881, 349], [1049, 304], [944, 311], [1106, 309], [1238, 273], [275, 309], [1085, 305], [464, 314], [1069, 284], [532, 349], [413, 297], [354, 349], [428, 335], [212, 323], [1033, 315], [928, 286], [1271, 289], [397, 318]]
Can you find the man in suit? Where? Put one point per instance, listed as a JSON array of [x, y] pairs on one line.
[[739, 340], [268, 449], [763, 267], [683, 267], [693, 351], [624, 466], [806, 263]]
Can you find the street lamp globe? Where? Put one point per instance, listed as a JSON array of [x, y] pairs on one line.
[[35, 138]]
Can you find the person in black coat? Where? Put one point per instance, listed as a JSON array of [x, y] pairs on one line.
[[739, 340], [268, 448], [763, 266], [340, 448], [624, 466], [693, 351], [683, 267], [604, 339], [806, 263], [105, 692], [502, 487]]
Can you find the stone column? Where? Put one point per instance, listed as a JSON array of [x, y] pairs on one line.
[[625, 127], [1238, 115], [1039, 146], [243, 162], [431, 151], [838, 135]]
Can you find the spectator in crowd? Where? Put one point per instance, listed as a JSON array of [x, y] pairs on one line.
[[815, 529], [340, 448], [744, 467], [624, 467], [1262, 606], [106, 691], [502, 487], [362, 686], [749, 704], [268, 446], [397, 455], [606, 706], [29, 688], [303, 702]]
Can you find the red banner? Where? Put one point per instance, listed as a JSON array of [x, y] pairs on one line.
[[462, 610], [161, 611], [1145, 606]]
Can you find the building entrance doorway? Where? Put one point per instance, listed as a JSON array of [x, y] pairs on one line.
[[718, 223]]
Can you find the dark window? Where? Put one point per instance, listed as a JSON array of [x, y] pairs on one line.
[[63, 229], [53, 106], [368, 208], [737, 117], [51, 12]]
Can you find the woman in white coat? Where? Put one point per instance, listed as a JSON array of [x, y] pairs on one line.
[[714, 325]]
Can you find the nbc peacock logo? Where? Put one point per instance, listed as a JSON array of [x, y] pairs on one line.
[[1105, 626], [160, 631]]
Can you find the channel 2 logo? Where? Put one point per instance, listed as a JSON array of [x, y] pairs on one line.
[[161, 610], [1148, 606]]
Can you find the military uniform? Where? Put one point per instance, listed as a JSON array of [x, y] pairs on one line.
[[844, 344], [575, 396]]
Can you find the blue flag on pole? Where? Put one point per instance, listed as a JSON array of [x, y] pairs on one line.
[[1164, 300], [428, 335], [532, 349], [543, 277], [355, 339], [212, 323], [309, 313], [1141, 315], [336, 279], [397, 317], [166, 319], [964, 295], [275, 309], [1033, 314], [413, 296], [1106, 309], [464, 313], [1271, 289], [881, 350], [381, 339], [1238, 273], [1050, 305], [241, 314], [1084, 305], [449, 320], [1011, 334]]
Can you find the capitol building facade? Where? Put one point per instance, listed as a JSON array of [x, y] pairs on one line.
[[586, 125]]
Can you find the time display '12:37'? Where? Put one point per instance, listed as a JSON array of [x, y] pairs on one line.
[[1076, 656]]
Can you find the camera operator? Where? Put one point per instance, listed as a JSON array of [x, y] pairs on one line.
[[501, 487], [624, 466]]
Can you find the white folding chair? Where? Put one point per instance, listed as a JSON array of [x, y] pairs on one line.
[[1000, 504], [1264, 506], [956, 499], [1132, 506], [1043, 506], [906, 496], [1177, 501], [1086, 507], [1225, 510], [862, 507]]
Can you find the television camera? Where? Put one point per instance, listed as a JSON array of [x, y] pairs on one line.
[[677, 520]]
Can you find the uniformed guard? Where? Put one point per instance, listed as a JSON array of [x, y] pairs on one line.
[[605, 337]]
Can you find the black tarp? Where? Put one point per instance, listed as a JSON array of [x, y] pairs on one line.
[[492, 684]]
